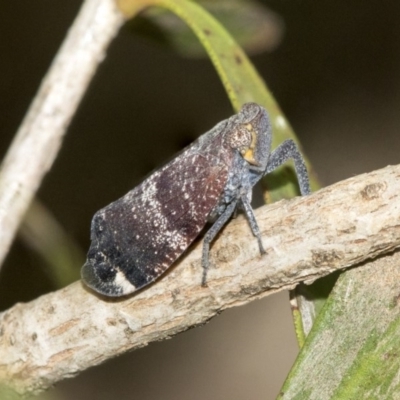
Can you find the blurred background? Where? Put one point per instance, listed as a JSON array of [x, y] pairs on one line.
[[333, 66]]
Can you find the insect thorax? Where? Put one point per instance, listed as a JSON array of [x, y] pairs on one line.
[[238, 184]]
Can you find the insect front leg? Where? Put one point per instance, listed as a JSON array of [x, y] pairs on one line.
[[210, 235], [285, 151], [252, 221]]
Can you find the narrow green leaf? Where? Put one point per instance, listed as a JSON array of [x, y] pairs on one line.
[[352, 350], [253, 25]]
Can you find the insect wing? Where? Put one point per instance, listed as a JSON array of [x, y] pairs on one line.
[[136, 238]]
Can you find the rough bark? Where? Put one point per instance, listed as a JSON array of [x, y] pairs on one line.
[[62, 333]]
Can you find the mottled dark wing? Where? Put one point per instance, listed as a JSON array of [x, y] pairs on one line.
[[136, 238]]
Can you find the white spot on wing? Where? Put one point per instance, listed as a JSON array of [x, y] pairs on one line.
[[123, 283]]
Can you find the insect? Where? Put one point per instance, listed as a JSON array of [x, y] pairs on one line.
[[138, 237]]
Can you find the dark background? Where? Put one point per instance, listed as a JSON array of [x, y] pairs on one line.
[[335, 75]]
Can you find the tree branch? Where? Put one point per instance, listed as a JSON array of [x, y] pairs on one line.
[[62, 333], [39, 137]]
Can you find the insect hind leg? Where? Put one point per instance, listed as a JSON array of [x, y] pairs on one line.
[[284, 152], [210, 235]]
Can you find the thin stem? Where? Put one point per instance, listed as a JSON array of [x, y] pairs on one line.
[[67, 331], [40, 135]]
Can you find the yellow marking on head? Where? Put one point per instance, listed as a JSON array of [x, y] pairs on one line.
[[249, 157], [249, 153]]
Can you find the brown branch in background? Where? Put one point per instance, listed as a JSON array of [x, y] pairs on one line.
[[62, 333], [39, 137]]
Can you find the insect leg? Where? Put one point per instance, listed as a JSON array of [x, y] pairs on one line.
[[210, 235], [285, 151], [253, 222]]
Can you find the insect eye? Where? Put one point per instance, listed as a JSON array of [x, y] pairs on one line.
[[240, 138]]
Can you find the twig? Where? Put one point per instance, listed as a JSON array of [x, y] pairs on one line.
[[62, 333], [39, 138]]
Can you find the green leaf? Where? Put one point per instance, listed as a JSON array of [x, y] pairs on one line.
[[9, 394], [352, 350], [253, 25]]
